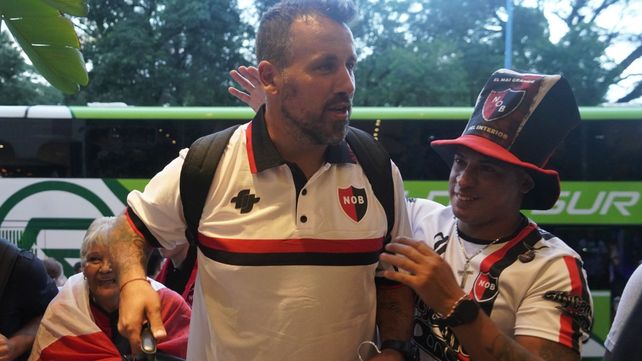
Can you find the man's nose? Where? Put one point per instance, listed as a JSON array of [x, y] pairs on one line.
[[346, 82], [466, 177]]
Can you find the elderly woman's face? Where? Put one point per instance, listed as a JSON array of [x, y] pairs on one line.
[[100, 276]]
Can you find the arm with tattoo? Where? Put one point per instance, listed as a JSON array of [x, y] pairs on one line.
[[482, 340], [394, 317], [138, 300]]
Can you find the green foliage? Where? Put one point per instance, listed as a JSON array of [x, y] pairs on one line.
[[440, 52], [428, 75], [16, 87], [161, 52], [48, 38], [411, 52]]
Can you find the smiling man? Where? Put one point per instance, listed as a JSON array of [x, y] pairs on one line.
[[492, 284], [286, 267]]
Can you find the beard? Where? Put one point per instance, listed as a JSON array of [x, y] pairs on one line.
[[316, 127]]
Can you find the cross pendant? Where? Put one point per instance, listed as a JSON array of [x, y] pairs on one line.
[[464, 275]]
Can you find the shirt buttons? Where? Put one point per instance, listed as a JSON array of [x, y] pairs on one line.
[[304, 192], [303, 219]]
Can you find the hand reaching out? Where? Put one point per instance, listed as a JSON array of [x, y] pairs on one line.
[[6, 349], [426, 273], [247, 78]]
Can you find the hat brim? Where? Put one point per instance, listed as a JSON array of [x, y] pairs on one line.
[[546, 190]]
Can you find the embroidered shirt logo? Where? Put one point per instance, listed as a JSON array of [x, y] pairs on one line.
[[353, 202], [485, 287], [574, 306], [499, 104], [245, 201]]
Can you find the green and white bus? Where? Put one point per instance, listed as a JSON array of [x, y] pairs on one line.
[[61, 167]]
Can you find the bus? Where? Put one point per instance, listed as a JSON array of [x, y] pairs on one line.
[[63, 166]]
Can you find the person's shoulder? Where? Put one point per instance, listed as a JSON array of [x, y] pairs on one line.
[[421, 208], [428, 219], [27, 260], [553, 247]]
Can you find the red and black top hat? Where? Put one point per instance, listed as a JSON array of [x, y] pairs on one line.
[[520, 119]]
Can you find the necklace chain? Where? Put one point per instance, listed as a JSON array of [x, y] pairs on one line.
[[466, 271], [463, 250]]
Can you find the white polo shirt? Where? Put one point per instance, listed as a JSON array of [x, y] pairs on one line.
[[286, 266]]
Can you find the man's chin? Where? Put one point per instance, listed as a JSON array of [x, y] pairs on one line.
[[337, 137]]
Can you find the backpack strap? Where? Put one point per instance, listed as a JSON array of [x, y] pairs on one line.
[[8, 257], [196, 176], [205, 153], [375, 161]]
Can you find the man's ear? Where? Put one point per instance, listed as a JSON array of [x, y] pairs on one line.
[[527, 183], [270, 77]]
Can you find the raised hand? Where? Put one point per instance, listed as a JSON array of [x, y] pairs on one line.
[[247, 77]]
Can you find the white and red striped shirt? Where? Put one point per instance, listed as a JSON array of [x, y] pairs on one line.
[[286, 264], [545, 297]]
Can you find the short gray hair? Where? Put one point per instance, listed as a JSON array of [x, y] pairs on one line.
[[97, 234]]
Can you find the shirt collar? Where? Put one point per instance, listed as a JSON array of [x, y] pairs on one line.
[[265, 155]]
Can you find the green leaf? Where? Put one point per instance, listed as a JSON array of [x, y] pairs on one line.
[[71, 7], [48, 39], [55, 30], [25, 8]]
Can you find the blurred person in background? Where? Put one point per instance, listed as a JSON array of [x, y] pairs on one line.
[[54, 270], [178, 271], [77, 268], [25, 292], [624, 341]]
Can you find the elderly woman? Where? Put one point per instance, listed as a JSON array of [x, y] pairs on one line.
[[81, 322]]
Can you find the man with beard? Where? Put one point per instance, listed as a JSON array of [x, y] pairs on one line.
[[286, 272]]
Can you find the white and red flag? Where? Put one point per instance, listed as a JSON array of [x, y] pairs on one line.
[[68, 330]]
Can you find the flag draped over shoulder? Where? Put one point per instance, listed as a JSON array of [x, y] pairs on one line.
[[68, 331], [188, 292]]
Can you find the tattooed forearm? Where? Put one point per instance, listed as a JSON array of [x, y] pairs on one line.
[[548, 353], [394, 312], [505, 349], [129, 251]]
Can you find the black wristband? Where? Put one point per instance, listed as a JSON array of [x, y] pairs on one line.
[[407, 349]]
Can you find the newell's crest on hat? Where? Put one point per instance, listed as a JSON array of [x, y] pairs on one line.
[[520, 119]]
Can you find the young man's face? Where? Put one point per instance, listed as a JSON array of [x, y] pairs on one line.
[[318, 82], [484, 191]]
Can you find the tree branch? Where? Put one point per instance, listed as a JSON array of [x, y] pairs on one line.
[[603, 6], [633, 94], [624, 64]]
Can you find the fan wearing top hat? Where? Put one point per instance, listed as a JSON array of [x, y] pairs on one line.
[[492, 285]]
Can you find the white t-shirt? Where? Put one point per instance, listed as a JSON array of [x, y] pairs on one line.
[[545, 297], [632, 292]]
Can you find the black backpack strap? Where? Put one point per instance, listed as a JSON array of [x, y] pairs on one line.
[[196, 176], [8, 257], [375, 161]]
